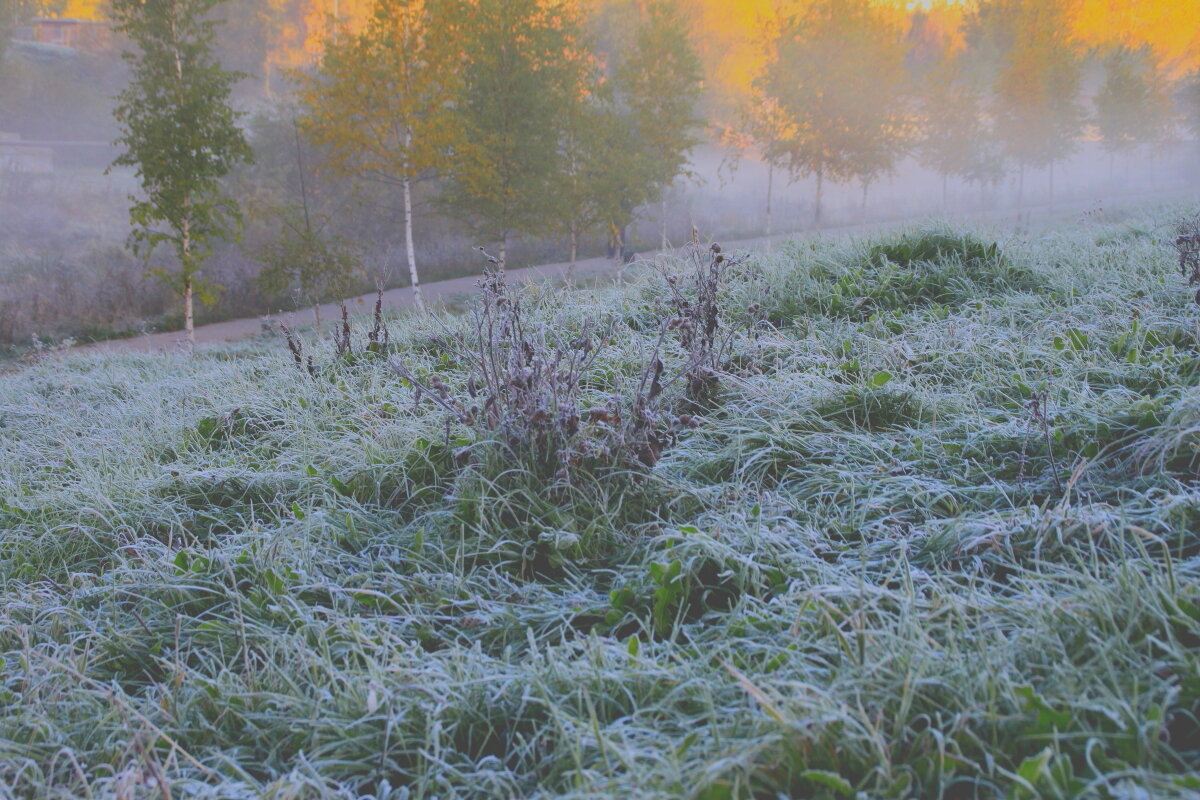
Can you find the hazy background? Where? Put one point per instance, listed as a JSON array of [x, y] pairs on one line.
[[64, 270]]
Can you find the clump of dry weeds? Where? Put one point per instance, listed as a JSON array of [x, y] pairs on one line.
[[526, 391], [701, 322]]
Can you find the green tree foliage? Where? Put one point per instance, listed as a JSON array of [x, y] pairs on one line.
[[524, 66], [181, 135], [7, 21], [591, 185], [379, 106], [953, 131], [1133, 107], [306, 257], [627, 134], [836, 69], [659, 79], [762, 125], [985, 160]]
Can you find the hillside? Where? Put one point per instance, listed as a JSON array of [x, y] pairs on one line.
[[911, 516]]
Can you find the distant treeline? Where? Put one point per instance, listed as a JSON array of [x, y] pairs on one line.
[[543, 122]]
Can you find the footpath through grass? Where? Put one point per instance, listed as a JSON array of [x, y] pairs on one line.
[[923, 520]]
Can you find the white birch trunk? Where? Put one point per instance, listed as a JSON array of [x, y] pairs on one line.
[[411, 252], [574, 254], [770, 192], [189, 325], [185, 242], [820, 192], [664, 222]]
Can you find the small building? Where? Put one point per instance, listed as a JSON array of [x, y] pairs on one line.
[[87, 35], [18, 156]]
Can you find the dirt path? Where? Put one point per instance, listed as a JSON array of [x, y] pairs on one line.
[[587, 270]]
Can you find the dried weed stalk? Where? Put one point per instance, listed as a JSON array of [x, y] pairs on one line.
[[296, 345], [1187, 245], [696, 309], [1039, 415], [378, 338], [341, 336]]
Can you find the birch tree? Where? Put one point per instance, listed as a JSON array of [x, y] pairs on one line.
[[379, 105], [760, 125], [950, 110], [1038, 115], [181, 136], [836, 70], [660, 80], [524, 61], [593, 139], [1188, 100], [1133, 107]]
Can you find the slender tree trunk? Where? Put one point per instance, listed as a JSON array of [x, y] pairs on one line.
[[189, 324], [862, 211], [820, 190], [664, 221], [1021, 186], [410, 249], [185, 265], [770, 191], [945, 192], [317, 317], [503, 251], [574, 253]]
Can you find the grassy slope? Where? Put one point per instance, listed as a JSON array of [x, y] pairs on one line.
[[256, 584]]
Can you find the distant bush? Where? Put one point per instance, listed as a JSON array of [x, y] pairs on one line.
[[102, 294], [914, 270], [938, 246]]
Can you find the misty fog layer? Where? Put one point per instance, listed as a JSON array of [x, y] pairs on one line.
[[808, 116]]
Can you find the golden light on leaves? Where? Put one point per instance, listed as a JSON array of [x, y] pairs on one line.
[[1168, 27], [730, 35]]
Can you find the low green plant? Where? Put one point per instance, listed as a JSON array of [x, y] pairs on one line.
[[939, 246]]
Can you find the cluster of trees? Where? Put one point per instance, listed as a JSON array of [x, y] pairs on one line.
[[538, 118], [850, 88], [524, 123]]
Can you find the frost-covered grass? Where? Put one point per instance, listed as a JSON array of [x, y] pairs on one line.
[[938, 535]]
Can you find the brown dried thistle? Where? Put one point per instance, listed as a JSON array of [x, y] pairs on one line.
[[696, 309], [379, 336], [296, 346], [1187, 246], [525, 390], [341, 337]]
